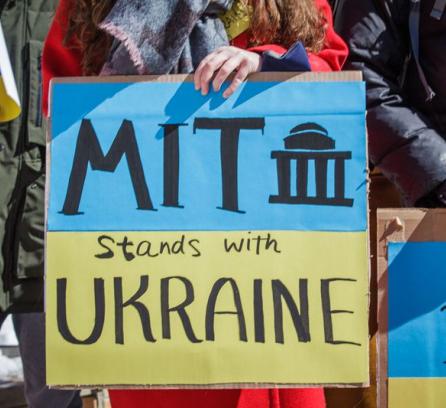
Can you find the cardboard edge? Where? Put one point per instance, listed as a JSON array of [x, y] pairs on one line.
[[217, 386], [46, 209], [368, 248], [342, 76], [390, 228]]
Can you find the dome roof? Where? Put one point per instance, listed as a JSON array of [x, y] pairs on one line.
[[309, 136]]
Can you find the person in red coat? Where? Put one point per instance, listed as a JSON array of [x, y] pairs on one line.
[[67, 54], [87, 39]]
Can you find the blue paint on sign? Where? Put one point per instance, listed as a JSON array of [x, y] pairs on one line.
[[417, 315], [159, 156]]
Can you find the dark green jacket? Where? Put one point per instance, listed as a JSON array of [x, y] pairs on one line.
[[22, 160]]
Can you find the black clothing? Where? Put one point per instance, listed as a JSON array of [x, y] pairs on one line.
[[407, 131]]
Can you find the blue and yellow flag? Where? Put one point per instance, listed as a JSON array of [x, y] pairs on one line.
[[237, 19], [9, 98]]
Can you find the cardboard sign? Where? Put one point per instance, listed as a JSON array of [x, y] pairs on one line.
[[413, 309], [197, 241]]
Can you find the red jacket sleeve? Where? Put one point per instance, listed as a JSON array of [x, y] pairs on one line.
[[59, 59], [335, 51]]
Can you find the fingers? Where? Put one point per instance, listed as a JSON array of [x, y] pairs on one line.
[[199, 70], [222, 63], [238, 79], [207, 69], [227, 68]]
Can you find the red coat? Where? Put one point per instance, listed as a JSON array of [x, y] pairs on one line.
[[59, 61]]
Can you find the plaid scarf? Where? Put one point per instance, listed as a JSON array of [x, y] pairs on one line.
[[163, 36]]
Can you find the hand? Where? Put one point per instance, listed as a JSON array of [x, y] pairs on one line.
[[222, 63]]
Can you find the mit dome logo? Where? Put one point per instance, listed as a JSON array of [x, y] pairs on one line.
[[309, 142]]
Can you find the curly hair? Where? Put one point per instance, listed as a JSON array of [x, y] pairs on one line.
[[83, 30], [286, 21], [272, 21]]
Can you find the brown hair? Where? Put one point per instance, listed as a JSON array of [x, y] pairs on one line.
[[83, 29], [286, 21], [273, 21]]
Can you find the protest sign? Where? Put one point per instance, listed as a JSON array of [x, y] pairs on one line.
[[9, 98], [198, 241], [412, 307]]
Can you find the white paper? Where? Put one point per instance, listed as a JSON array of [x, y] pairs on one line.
[[7, 334], [11, 369]]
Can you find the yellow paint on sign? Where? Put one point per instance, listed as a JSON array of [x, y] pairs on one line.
[[417, 392], [304, 264]]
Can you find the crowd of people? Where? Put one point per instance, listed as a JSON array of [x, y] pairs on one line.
[[397, 44]]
